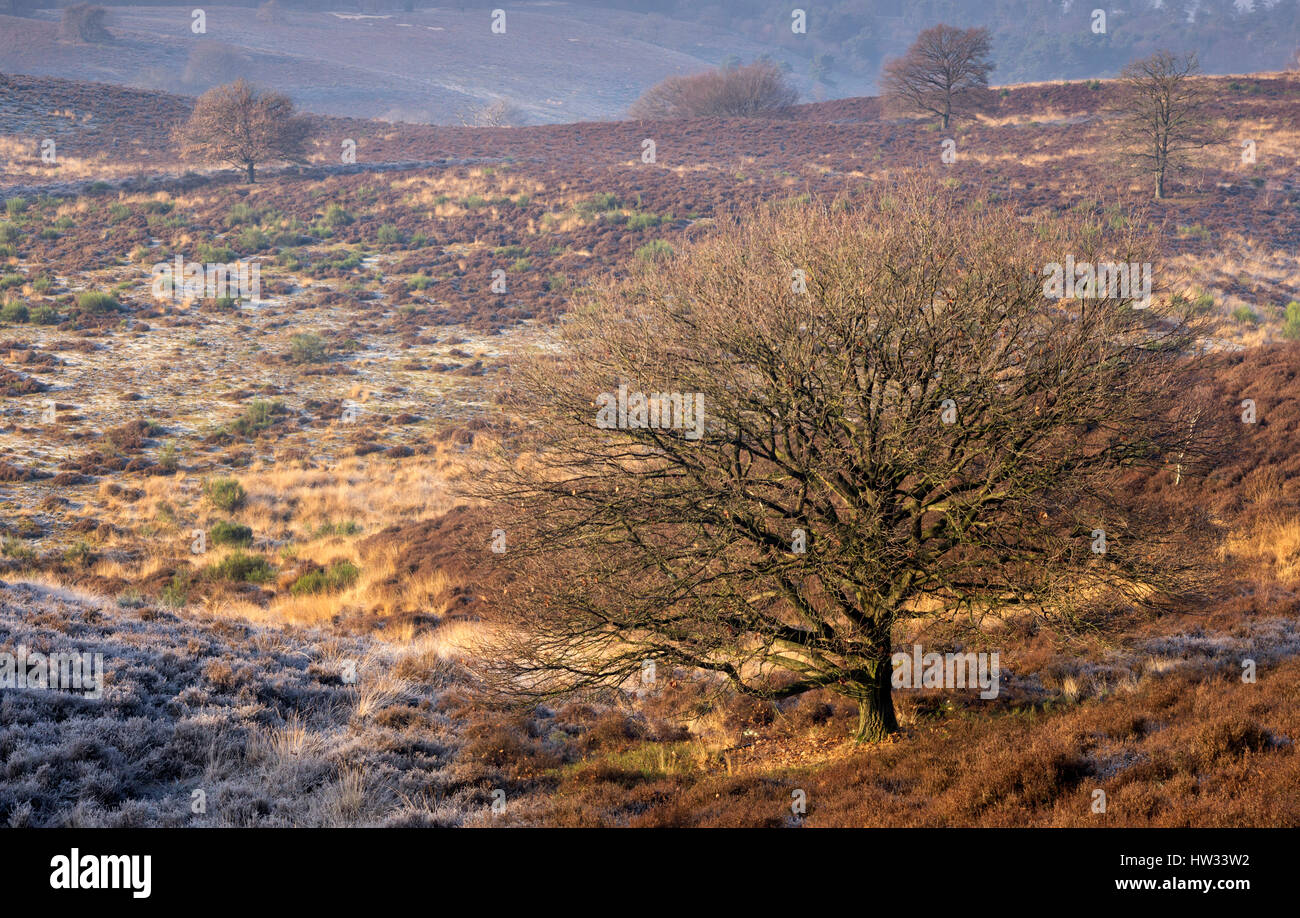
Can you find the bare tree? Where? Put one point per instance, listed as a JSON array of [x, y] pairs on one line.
[[243, 126], [83, 22], [741, 91], [497, 113], [757, 458], [1162, 114], [945, 68]]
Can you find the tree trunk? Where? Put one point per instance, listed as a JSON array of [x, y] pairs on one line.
[[252, 178], [873, 690]]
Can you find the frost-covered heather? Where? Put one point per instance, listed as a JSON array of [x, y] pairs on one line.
[[261, 720]]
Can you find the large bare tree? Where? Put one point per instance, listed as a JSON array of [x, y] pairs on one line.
[[1162, 114], [944, 68], [858, 413], [244, 126]]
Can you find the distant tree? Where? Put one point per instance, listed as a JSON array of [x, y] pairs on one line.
[[944, 69], [754, 89], [820, 68], [244, 126], [866, 416], [1162, 114], [212, 62], [84, 22], [497, 113]]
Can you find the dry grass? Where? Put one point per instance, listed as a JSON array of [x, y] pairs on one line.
[[1270, 548]]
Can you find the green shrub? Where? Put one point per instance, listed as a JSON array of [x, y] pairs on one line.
[[97, 302], [643, 221], [215, 254], [1291, 328], [345, 528], [14, 312], [1245, 315], [599, 203], [225, 494], [242, 213], [224, 533], [656, 250], [17, 549], [9, 232], [388, 234], [251, 239], [241, 568], [177, 591], [16, 207], [259, 415], [338, 576], [44, 315], [336, 216], [168, 458], [78, 555], [306, 347]]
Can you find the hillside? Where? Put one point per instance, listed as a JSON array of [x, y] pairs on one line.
[[233, 497], [436, 65]]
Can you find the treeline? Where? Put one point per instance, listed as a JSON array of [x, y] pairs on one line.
[[1032, 39], [849, 40]]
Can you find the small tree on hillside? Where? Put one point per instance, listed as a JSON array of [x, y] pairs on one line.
[[497, 113], [754, 89], [867, 415], [944, 70], [83, 22], [244, 126], [1162, 114]]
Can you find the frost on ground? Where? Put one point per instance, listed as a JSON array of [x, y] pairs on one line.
[[208, 722]]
